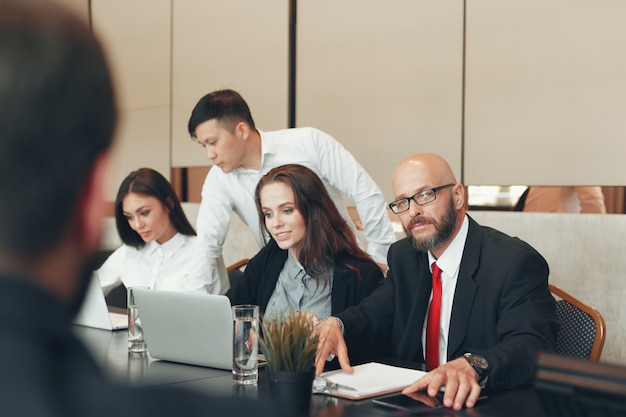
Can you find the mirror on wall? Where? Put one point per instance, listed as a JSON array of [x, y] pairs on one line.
[[494, 197], [557, 199], [188, 184]]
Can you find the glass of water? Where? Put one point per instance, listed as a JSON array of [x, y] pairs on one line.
[[136, 342], [245, 344]]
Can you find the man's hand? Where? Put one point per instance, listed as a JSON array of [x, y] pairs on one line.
[[459, 379], [331, 341]]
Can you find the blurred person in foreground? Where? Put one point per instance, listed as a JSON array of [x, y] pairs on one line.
[[495, 311], [56, 124]]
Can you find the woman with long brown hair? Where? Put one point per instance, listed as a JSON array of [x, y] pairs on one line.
[[312, 262]]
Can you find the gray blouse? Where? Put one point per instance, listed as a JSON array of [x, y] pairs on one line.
[[297, 290]]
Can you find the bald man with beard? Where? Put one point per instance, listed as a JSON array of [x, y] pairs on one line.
[[496, 309]]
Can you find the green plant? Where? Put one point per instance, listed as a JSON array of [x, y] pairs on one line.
[[289, 343]]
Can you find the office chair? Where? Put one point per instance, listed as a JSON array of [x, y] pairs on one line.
[[234, 270], [582, 330]]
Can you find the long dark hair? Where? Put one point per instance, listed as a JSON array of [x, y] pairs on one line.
[[328, 241], [146, 181]]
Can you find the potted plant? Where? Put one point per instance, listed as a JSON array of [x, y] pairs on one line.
[[289, 344]]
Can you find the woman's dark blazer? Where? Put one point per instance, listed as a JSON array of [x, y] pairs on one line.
[[258, 282]]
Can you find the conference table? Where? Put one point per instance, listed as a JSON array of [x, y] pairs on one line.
[[110, 349]]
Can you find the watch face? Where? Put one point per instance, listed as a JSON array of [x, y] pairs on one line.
[[478, 361]]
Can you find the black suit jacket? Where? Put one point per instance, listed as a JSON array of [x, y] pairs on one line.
[[46, 371], [502, 308], [261, 274]]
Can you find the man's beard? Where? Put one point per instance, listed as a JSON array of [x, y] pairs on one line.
[[443, 230], [75, 303]]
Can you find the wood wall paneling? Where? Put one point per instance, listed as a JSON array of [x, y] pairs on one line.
[[545, 92], [236, 44], [136, 35], [544, 89], [384, 81], [144, 141]]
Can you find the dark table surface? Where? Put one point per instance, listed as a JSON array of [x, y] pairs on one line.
[[111, 351]]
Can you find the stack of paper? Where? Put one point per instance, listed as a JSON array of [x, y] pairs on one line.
[[371, 379]]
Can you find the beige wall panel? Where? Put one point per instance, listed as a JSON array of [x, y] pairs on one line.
[[545, 92], [237, 44], [142, 140], [384, 78], [137, 34]]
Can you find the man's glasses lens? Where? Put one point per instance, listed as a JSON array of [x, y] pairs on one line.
[[421, 198]]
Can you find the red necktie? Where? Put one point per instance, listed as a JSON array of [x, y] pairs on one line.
[[432, 327]]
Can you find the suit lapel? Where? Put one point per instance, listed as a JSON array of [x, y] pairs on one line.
[[465, 290], [339, 290], [410, 344], [270, 275]]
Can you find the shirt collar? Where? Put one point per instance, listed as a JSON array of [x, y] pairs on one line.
[[450, 260], [171, 246], [268, 147]]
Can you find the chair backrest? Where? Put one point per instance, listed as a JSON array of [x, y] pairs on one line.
[[582, 327], [235, 270]]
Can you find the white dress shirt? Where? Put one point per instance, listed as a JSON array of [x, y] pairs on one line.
[[165, 266], [223, 194], [449, 262]]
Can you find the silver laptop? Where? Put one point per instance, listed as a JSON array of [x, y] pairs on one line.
[[190, 328], [95, 312]]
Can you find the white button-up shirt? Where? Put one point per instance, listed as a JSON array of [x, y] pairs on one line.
[[449, 262], [165, 266]]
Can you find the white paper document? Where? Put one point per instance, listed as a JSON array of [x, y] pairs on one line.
[[371, 379]]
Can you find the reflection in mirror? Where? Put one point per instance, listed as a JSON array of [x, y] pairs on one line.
[[188, 184], [564, 199], [494, 197], [561, 199]]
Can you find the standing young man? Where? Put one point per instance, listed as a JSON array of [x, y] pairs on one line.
[[222, 123]]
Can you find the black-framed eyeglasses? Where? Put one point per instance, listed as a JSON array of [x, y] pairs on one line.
[[420, 198]]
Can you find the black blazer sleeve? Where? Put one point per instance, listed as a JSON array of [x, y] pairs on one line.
[[502, 307], [350, 287], [258, 282]]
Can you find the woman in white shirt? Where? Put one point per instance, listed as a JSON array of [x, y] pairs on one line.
[[158, 239]]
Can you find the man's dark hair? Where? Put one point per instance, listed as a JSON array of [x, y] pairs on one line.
[[148, 182], [226, 106], [57, 114]]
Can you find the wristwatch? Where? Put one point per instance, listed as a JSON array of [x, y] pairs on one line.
[[480, 365]]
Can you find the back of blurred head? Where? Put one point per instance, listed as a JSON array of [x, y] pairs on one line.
[[57, 117]]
